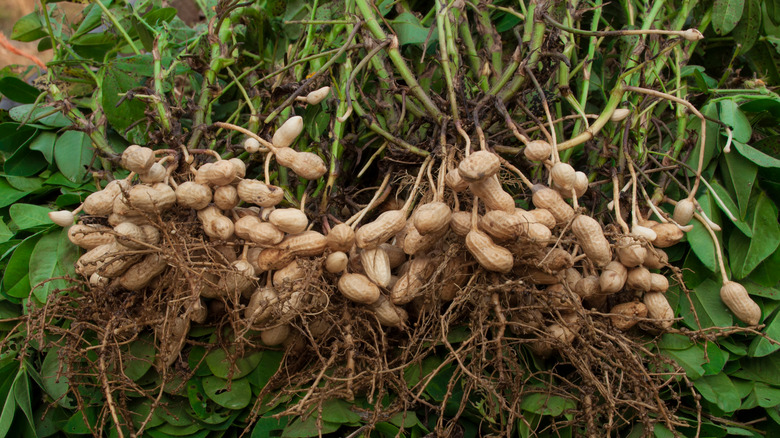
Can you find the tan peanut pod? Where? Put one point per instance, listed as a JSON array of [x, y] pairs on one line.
[[143, 272], [659, 309], [225, 197], [591, 238], [656, 259], [358, 288], [489, 255], [341, 238], [570, 277], [131, 236], [395, 254], [215, 224], [200, 177], [289, 220], [289, 274], [643, 232], [414, 242], [306, 244], [116, 263], [537, 276], [432, 217], [393, 281], [227, 252], [137, 159], [286, 134], [658, 283], [151, 199], [683, 212], [90, 236], [336, 262], [580, 183], [198, 312], [537, 150], [155, 174], [240, 167], [460, 223], [588, 287], [375, 233], [261, 305], [539, 233], [561, 333], [273, 258], [193, 195], [376, 265], [626, 315], [255, 192], [501, 225], [639, 278], [561, 299], [96, 280], [630, 252], [490, 192], [455, 182], [454, 276], [285, 156], [101, 203], [275, 335], [116, 219], [89, 262], [478, 166], [667, 235], [171, 340], [251, 257], [555, 260], [550, 200], [613, 278], [317, 96], [737, 299], [262, 233], [409, 285], [563, 176], [647, 223], [619, 114], [543, 216], [221, 173], [308, 165], [237, 281], [355, 263], [388, 314]]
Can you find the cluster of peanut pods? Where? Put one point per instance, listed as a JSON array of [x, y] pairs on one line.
[[399, 260]]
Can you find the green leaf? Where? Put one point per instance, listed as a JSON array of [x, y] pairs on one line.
[[18, 90], [219, 364], [13, 136], [26, 216], [768, 272], [338, 411], [716, 359], [763, 369], [725, 196], [73, 152], [699, 238], [16, 282], [309, 428], [22, 396], [139, 358], [744, 253], [78, 424], [56, 388], [7, 414], [30, 113], [92, 18], [411, 31], [739, 175], [44, 143], [266, 425], [708, 306], [237, 397], [546, 404], [747, 31], [726, 15], [767, 396], [28, 28], [761, 290], [690, 359], [25, 162], [718, 389], [8, 194], [671, 341], [756, 156], [731, 115], [120, 112], [760, 346], [5, 233], [268, 366]]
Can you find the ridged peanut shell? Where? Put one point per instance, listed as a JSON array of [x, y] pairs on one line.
[[737, 299], [155, 174], [261, 305], [151, 199], [656, 259], [666, 235], [388, 313], [288, 274], [259, 232], [90, 236], [376, 265], [289, 220], [630, 252], [501, 225], [358, 288], [143, 272], [563, 175], [490, 192], [285, 156], [658, 308], [341, 238], [255, 192], [543, 216], [489, 255], [658, 283], [613, 278], [308, 165], [414, 242], [336, 262], [192, 195], [537, 150], [624, 316], [395, 254], [478, 166], [432, 217], [375, 233], [101, 203], [639, 278], [683, 212], [455, 182], [409, 285], [225, 197], [306, 244], [137, 159], [239, 280], [460, 223], [587, 287], [275, 335], [591, 238], [221, 173], [550, 200], [215, 224], [286, 134]]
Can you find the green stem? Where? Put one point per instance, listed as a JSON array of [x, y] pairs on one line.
[[118, 26], [400, 64], [162, 110], [445, 59], [471, 51], [614, 100], [372, 125], [537, 38]]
